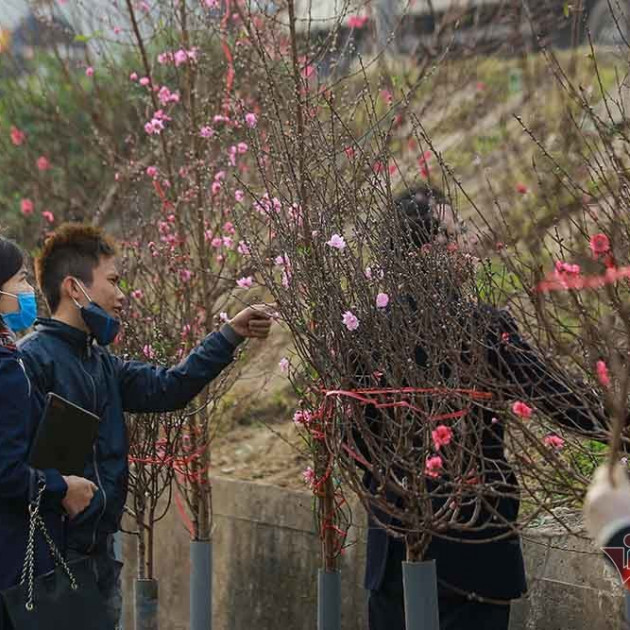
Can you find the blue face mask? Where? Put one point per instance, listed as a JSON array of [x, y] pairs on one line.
[[103, 326], [26, 314]]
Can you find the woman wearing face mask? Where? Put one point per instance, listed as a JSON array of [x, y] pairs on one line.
[[19, 415]]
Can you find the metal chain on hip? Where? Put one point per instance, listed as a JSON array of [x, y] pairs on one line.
[[28, 570]]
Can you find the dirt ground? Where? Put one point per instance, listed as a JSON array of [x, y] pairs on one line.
[[271, 454], [257, 440]]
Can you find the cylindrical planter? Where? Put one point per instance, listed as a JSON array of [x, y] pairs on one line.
[[328, 600], [146, 604], [421, 600], [200, 585]]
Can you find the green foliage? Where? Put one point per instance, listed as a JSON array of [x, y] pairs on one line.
[[79, 124]]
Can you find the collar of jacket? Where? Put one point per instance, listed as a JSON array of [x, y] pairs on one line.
[[75, 337], [7, 339]]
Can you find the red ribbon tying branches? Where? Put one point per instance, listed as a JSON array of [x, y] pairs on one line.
[[368, 396], [181, 465]]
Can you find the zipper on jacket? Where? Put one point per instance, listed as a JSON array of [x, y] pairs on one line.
[[96, 471]]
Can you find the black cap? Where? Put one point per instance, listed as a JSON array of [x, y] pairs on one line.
[[11, 260]]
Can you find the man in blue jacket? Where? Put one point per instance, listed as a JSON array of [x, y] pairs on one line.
[[78, 276]]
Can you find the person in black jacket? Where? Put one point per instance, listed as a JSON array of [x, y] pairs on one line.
[[19, 413], [67, 354], [476, 581]]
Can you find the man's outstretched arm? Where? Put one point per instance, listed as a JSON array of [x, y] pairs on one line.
[[146, 387], [524, 370]]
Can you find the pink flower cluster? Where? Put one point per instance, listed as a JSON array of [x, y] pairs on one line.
[[308, 475], [433, 466], [268, 206], [237, 149], [554, 441], [442, 436], [302, 418], [156, 125], [357, 21], [27, 207], [602, 374], [245, 283], [522, 410], [284, 263], [179, 57], [566, 268], [17, 137], [350, 321], [337, 242], [599, 244], [166, 96]]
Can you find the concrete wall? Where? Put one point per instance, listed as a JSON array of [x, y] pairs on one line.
[[266, 556]]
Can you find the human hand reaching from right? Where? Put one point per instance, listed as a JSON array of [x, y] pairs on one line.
[[606, 503]]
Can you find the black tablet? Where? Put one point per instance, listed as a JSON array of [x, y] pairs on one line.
[[65, 437]]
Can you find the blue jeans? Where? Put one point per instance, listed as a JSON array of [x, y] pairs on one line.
[[107, 571]]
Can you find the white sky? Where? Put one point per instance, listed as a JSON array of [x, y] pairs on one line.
[[11, 11]]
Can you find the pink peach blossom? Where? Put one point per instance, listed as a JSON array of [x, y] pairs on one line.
[[599, 244], [350, 321], [308, 476], [521, 409], [554, 441], [245, 283], [602, 373], [336, 242], [17, 137], [433, 466], [442, 436], [27, 207]]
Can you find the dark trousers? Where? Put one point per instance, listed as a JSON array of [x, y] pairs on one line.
[[386, 607]]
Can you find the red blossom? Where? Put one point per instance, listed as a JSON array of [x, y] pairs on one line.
[[17, 137], [599, 244], [522, 410]]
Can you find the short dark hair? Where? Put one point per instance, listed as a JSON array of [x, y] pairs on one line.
[[11, 259], [74, 249], [415, 207]]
